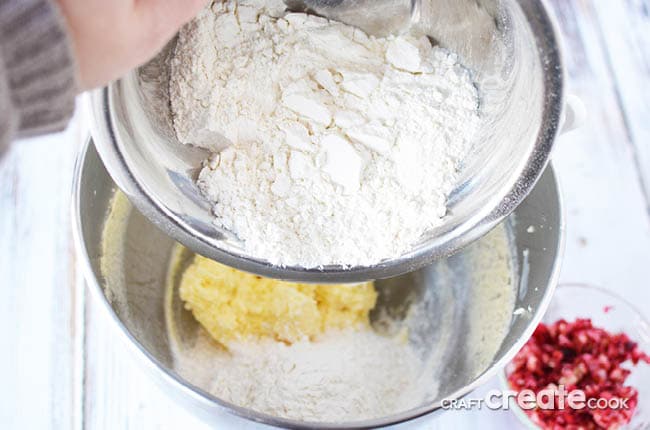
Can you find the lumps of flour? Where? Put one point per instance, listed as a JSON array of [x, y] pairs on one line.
[[344, 147]]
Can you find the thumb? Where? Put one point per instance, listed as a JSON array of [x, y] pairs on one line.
[[167, 16]]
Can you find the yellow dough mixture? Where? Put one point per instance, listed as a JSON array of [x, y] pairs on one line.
[[234, 306]]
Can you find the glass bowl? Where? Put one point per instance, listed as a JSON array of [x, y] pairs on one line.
[[610, 311]]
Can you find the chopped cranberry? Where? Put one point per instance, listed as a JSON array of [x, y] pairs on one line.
[[580, 356]]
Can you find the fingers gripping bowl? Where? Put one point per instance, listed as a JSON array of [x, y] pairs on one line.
[[512, 49]]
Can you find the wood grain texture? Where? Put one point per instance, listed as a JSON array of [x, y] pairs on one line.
[[625, 35], [608, 229], [40, 357]]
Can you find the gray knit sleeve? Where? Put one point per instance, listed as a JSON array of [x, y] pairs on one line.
[[37, 70]]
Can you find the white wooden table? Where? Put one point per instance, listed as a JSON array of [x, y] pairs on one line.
[[63, 366]]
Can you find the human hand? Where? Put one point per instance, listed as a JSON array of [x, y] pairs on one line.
[[112, 37]]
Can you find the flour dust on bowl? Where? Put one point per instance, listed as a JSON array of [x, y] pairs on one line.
[[482, 139], [463, 317]]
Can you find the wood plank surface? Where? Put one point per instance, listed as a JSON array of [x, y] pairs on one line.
[[608, 229], [625, 34], [40, 360]]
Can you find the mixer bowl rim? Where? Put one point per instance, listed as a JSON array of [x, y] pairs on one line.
[[173, 381], [104, 134]]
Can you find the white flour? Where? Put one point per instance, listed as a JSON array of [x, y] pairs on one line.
[[344, 376], [352, 375], [344, 147]]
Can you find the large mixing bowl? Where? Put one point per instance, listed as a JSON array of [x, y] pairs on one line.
[[512, 48], [128, 274]]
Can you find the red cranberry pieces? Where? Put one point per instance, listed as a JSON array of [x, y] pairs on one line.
[[578, 356]]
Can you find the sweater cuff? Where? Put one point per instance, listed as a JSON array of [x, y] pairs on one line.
[[39, 65]]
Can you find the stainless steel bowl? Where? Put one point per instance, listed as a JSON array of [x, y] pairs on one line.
[[512, 48], [128, 275]]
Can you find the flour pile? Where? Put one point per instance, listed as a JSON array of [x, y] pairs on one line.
[[343, 376], [364, 371], [344, 146]]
